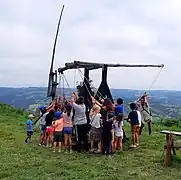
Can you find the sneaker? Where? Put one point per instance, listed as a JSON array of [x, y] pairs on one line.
[[59, 151], [71, 151], [53, 151], [132, 146], [137, 144], [40, 144], [47, 145]]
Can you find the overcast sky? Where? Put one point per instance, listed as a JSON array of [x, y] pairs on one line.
[[111, 31]]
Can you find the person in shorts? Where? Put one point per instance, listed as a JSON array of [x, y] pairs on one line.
[[42, 124], [58, 128], [49, 128], [135, 121], [68, 126], [118, 129], [29, 128]]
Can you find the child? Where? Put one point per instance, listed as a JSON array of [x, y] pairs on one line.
[[119, 108], [49, 128], [134, 120], [67, 118], [58, 135], [95, 132], [29, 128], [118, 132], [42, 124]]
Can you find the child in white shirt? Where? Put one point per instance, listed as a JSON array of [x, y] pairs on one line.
[[118, 130]]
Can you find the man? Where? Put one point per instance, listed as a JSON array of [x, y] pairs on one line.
[[145, 114]]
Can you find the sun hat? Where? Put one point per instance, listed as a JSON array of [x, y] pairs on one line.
[[31, 116]]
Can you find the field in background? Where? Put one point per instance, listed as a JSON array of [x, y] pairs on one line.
[[21, 161]]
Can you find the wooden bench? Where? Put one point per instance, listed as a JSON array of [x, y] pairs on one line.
[[170, 147]]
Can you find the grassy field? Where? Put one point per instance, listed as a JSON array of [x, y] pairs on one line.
[[21, 161]]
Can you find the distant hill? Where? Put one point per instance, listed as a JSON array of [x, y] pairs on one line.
[[163, 103]]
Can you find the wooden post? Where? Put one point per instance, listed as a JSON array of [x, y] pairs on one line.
[[169, 139]]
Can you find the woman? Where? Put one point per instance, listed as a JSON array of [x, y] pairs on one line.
[[80, 122], [67, 118], [108, 115]]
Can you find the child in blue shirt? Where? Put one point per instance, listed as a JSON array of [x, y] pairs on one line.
[[119, 109], [29, 128]]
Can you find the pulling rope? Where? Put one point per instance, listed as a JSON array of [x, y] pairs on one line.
[[75, 78], [67, 83], [84, 83], [88, 82], [154, 80], [63, 89], [59, 84]]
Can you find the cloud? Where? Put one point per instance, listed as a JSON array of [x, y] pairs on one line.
[[141, 32]]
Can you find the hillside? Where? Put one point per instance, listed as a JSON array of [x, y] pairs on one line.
[[20, 161], [162, 102]]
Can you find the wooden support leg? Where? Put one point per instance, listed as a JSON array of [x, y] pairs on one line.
[[168, 150], [173, 148]]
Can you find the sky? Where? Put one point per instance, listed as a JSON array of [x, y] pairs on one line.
[[106, 31]]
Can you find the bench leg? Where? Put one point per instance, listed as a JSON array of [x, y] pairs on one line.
[[168, 150], [173, 149]]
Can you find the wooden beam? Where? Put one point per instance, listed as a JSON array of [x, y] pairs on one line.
[[91, 65]]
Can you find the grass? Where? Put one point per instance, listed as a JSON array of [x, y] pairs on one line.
[[21, 161]]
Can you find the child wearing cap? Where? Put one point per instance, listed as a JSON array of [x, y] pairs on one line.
[[58, 134], [29, 128]]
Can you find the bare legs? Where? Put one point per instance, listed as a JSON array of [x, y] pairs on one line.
[[118, 143], [59, 146], [99, 146], [68, 142]]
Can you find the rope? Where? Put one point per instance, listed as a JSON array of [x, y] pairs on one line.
[[63, 89], [67, 83], [59, 85], [154, 80], [88, 82], [75, 78], [84, 83]]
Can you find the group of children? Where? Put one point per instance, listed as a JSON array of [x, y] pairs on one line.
[[107, 129], [55, 126]]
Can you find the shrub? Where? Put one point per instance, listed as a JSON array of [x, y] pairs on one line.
[[171, 122]]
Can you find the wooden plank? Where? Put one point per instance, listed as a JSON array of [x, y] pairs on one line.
[[171, 132]]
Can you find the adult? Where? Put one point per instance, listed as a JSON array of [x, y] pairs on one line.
[[108, 115], [146, 115], [80, 122]]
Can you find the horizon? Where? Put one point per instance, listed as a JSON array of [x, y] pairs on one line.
[[129, 89]]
